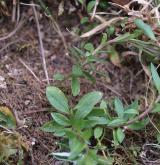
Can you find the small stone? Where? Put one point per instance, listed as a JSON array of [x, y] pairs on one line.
[[3, 83]]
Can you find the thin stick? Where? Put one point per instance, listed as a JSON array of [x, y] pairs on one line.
[[13, 32], [94, 10], [109, 88], [26, 4], [38, 111], [8, 131], [153, 124], [18, 11], [30, 70], [41, 44], [14, 10], [54, 23]]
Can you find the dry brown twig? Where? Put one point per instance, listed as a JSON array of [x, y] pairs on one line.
[[41, 44], [94, 9], [29, 69], [14, 10], [58, 30], [13, 32], [101, 27]]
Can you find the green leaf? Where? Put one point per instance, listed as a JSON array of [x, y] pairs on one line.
[[60, 133], [90, 123], [158, 138], [133, 105], [84, 20], [79, 51], [103, 105], [75, 86], [86, 103], [116, 122], [156, 78], [88, 159], [87, 134], [111, 30], [104, 38], [120, 135], [105, 161], [89, 47], [139, 125], [146, 29], [74, 54], [50, 126], [115, 140], [77, 71], [119, 107], [76, 146], [114, 57], [57, 99], [78, 124], [156, 108], [90, 6], [131, 111], [122, 38], [89, 76], [99, 120], [81, 1], [60, 119], [58, 77], [97, 112], [98, 131]]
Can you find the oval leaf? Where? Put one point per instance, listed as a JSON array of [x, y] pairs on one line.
[[156, 78], [77, 71], [86, 103], [120, 135], [75, 86], [59, 77], [139, 125], [57, 99], [115, 58], [146, 29], [98, 131], [89, 47], [51, 127], [156, 108], [60, 119], [119, 107], [76, 147], [131, 111], [158, 138], [116, 122]]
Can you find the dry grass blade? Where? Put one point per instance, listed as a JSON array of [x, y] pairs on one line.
[[94, 9], [30, 70], [41, 45], [100, 27]]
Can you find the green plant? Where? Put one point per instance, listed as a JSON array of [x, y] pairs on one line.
[[86, 121], [86, 57]]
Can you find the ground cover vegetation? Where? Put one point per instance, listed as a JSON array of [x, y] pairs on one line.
[[101, 102]]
